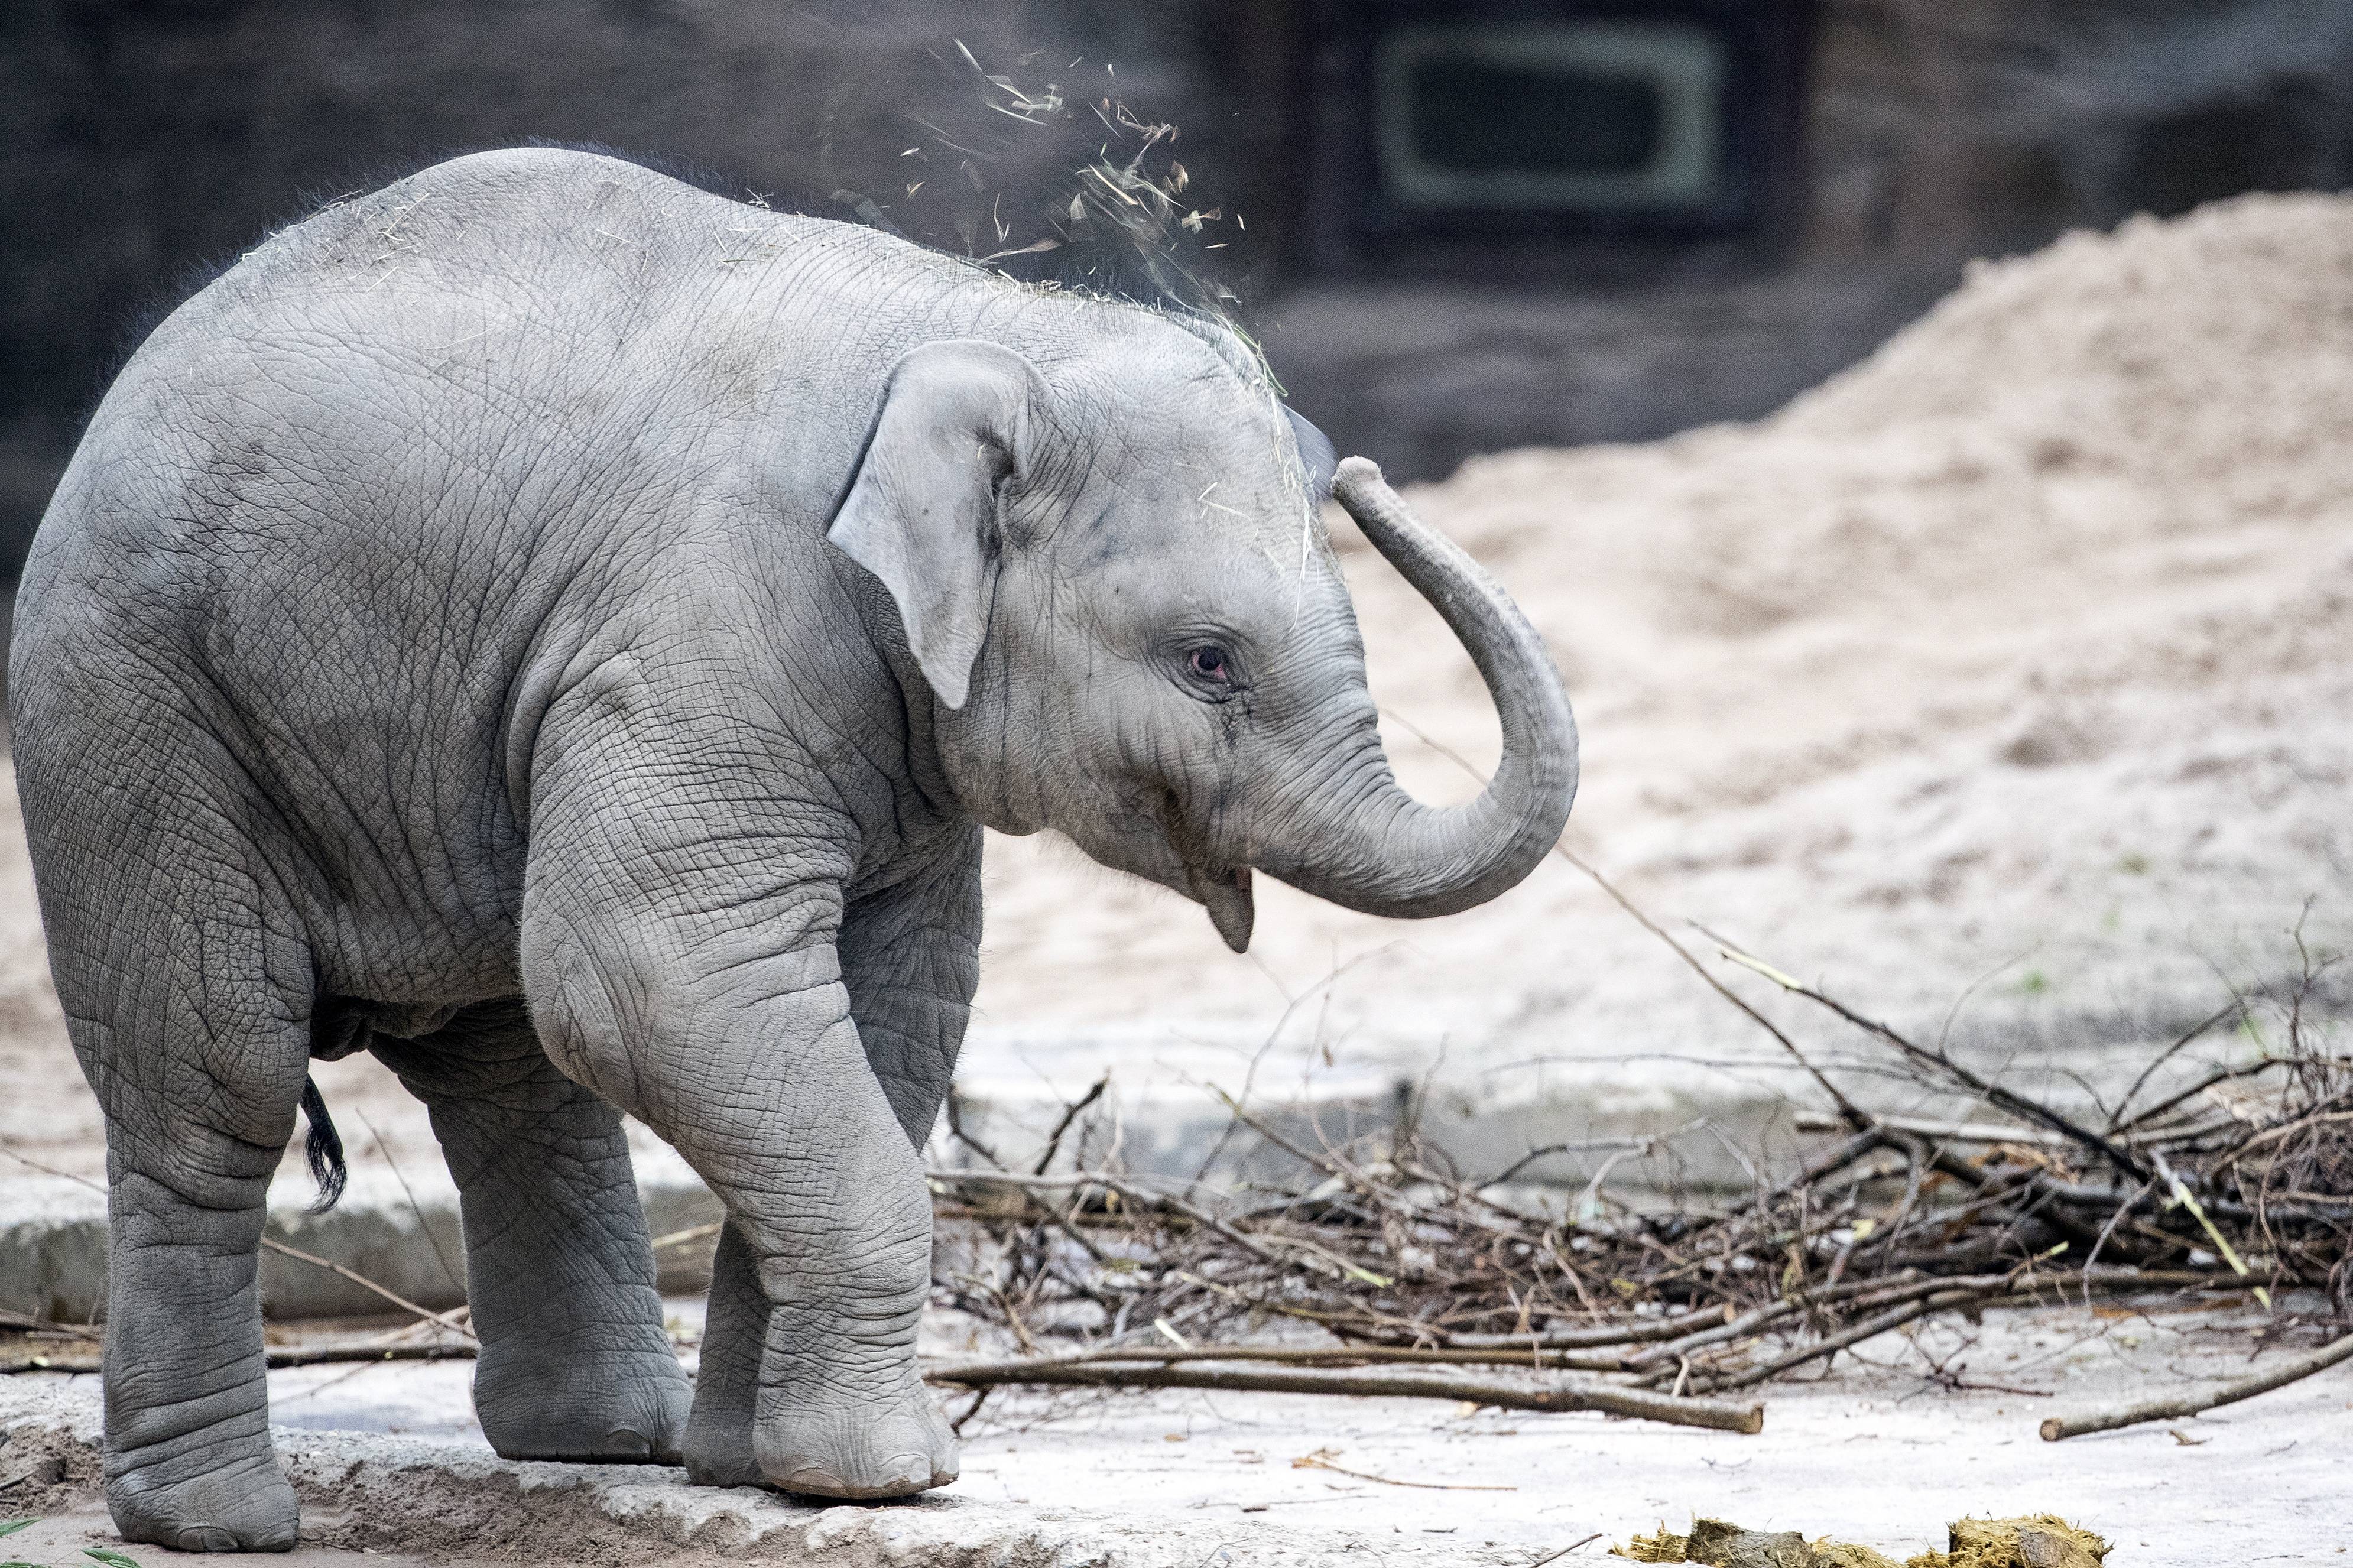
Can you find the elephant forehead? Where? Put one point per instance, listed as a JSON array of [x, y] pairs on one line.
[[1237, 583], [1170, 434], [1195, 506]]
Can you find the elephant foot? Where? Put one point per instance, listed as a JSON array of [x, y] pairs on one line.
[[245, 1506], [721, 1459], [609, 1409], [718, 1434], [858, 1450]]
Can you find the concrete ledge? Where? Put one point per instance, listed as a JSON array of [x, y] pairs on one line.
[[52, 1248], [1169, 1123], [53, 1243], [1173, 1123]]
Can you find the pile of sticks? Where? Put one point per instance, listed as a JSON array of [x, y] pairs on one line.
[[1392, 1271]]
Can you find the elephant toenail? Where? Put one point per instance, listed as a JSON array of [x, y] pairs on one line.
[[916, 1472], [815, 1479]]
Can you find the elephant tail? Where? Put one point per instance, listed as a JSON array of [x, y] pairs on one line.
[[323, 1148]]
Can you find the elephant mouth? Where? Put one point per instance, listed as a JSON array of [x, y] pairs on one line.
[[1225, 892]]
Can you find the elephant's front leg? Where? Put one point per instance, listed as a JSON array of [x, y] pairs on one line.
[[910, 959], [734, 1041]]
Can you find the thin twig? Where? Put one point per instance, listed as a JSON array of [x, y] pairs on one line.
[[2016, 1104], [2117, 1124], [1069, 1114], [449, 1271], [1316, 1461], [447, 1319]]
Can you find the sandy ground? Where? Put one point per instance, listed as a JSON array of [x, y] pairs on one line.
[[2022, 653], [2013, 666], [1883, 1451]]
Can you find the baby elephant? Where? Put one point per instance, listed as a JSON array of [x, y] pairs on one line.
[[564, 632]]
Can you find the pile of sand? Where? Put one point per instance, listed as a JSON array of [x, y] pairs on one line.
[[2026, 641], [2025, 647]]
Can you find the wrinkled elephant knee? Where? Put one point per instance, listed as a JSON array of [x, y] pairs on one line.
[[735, 1042]]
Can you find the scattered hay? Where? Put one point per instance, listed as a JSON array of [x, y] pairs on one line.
[[1024, 172], [2035, 1541]]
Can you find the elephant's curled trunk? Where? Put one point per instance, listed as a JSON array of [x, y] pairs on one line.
[[1391, 855]]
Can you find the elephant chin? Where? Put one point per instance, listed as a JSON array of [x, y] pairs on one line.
[[1225, 894]]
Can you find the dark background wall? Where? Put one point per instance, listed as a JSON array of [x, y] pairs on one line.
[[141, 138]]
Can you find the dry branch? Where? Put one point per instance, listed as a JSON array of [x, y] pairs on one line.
[[1535, 1357], [1401, 1259], [2279, 1375], [1611, 1398], [449, 1320], [280, 1356]]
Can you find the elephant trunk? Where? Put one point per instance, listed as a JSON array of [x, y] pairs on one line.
[[1384, 853]]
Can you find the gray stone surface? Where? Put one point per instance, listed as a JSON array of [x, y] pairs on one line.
[[403, 1234], [1917, 1429], [52, 1248]]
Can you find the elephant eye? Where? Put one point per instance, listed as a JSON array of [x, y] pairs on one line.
[[1209, 662]]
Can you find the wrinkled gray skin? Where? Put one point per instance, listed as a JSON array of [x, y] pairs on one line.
[[564, 632]]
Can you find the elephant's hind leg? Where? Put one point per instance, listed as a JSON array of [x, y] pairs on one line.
[[575, 1363], [198, 1059], [719, 1451]]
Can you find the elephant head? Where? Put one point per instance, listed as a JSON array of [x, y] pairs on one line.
[[1110, 567]]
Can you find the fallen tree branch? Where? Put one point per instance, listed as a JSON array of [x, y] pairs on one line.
[[1852, 1334], [27, 1323], [690, 1234], [15, 1364], [2279, 1375], [1639, 1331], [322, 1355], [1612, 1399], [1539, 1357], [1948, 1131]]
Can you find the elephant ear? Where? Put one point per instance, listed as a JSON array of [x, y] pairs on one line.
[[922, 513], [1316, 456]]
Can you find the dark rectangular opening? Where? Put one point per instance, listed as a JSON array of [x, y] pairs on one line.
[[1553, 117], [1445, 133]]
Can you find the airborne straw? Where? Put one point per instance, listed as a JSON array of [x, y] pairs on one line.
[[1051, 188]]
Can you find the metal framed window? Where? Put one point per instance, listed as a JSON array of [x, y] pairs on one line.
[[1442, 128]]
